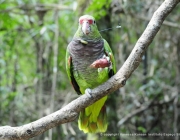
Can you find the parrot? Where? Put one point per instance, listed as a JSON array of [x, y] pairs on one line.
[[89, 63]]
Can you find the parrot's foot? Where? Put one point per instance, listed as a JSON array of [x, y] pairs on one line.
[[106, 57], [110, 67], [88, 92]]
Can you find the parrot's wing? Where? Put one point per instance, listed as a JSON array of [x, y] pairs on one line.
[[109, 53], [69, 69]]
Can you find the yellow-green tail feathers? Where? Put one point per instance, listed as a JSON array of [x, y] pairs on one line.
[[93, 119]]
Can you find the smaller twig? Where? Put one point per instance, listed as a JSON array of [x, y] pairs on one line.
[[56, 6], [9, 9], [134, 113], [167, 23], [38, 7], [71, 129], [142, 109]]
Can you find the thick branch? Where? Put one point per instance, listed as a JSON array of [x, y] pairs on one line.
[[70, 112]]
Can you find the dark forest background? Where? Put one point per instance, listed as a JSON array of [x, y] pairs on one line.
[[34, 35]]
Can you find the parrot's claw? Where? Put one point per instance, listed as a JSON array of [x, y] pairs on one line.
[[110, 67], [88, 92], [106, 57]]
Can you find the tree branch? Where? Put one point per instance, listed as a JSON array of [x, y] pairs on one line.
[[38, 7], [70, 111]]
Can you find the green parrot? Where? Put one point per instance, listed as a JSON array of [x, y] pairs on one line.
[[89, 63]]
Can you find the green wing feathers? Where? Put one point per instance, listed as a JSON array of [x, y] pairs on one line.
[[69, 69], [110, 54], [68, 64]]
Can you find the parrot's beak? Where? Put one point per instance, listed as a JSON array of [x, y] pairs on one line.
[[86, 27]]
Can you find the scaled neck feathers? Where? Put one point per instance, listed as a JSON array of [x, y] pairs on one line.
[[94, 36]]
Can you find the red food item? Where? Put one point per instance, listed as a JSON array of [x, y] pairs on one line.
[[100, 63]]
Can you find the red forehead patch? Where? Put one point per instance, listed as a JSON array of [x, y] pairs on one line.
[[89, 20]]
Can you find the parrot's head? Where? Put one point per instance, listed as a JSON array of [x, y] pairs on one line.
[[87, 27], [87, 24]]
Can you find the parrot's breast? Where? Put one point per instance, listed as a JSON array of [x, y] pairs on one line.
[[83, 55]]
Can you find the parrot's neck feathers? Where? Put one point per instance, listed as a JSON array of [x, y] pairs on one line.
[[93, 36], [85, 41]]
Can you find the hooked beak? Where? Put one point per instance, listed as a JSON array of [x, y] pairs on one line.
[[86, 27]]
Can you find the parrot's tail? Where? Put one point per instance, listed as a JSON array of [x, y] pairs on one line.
[[94, 119]]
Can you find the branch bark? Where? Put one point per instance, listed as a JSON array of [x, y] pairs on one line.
[[70, 111]]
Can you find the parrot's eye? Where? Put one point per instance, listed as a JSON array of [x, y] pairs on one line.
[[94, 22]]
